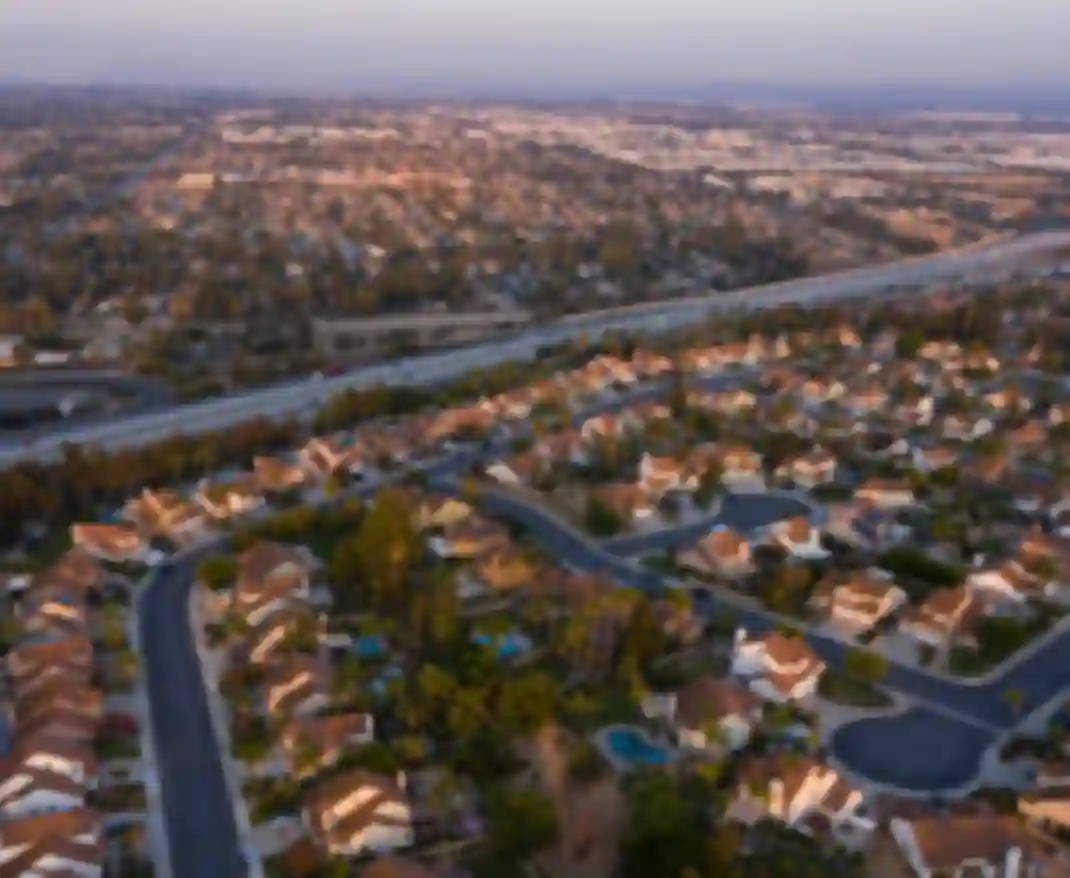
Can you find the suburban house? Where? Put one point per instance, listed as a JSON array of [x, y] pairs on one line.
[[935, 458], [504, 570], [630, 501], [858, 601], [322, 456], [566, 446], [651, 365], [722, 552], [809, 470], [274, 632], [297, 685], [358, 812], [659, 475], [801, 792], [470, 538], [727, 402], [962, 845], [314, 742], [964, 428], [396, 867], [678, 620], [714, 712], [437, 511], [223, 500], [1006, 583], [34, 665], [60, 844], [27, 791], [456, 423], [164, 513], [602, 427], [72, 759], [741, 466], [110, 542], [799, 538], [276, 476], [77, 571], [943, 618], [865, 526], [48, 720], [270, 577], [779, 668], [886, 493]]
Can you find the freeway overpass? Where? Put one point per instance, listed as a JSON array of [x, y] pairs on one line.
[[300, 398]]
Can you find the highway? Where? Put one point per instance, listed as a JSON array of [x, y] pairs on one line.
[[302, 397]]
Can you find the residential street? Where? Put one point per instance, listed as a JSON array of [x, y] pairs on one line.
[[200, 821], [937, 745]]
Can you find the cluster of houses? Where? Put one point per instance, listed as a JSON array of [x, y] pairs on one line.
[[56, 720], [347, 812], [806, 793], [857, 602]]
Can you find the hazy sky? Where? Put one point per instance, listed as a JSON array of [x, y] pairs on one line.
[[372, 44]]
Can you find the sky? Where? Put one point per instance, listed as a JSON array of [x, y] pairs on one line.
[[535, 46]]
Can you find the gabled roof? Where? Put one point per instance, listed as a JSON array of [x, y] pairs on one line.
[[709, 700], [945, 842], [395, 867]]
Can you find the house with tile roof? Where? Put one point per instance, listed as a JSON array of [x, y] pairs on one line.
[[358, 812], [779, 668]]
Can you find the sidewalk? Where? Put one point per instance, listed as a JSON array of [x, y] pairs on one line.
[[221, 730]]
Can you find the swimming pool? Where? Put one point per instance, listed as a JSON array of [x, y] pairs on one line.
[[508, 646], [629, 746], [369, 646]]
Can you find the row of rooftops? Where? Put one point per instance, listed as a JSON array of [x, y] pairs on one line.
[[57, 715]]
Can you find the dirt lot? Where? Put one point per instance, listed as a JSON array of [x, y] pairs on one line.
[[590, 817]]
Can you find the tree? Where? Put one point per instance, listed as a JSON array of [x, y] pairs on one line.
[[866, 664], [665, 833], [709, 484], [602, 519], [520, 822], [788, 589], [528, 701], [217, 572], [378, 557]]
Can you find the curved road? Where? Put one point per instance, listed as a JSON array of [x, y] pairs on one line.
[[959, 720], [302, 397]]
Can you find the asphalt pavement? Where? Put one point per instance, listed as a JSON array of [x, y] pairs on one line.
[[201, 830]]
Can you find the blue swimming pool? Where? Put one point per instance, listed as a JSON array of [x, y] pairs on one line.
[[508, 646], [369, 646], [632, 747]]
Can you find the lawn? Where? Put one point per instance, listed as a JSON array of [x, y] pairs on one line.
[[840, 688], [118, 747], [270, 798], [124, 797]]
